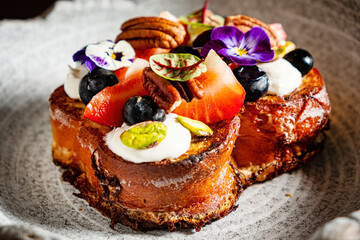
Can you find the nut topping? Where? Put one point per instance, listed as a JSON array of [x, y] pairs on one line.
[[152, 32], [245, 23], [144, 135], [180, 86], [195, 88], [168, 94], [189, 89], [160, 89]]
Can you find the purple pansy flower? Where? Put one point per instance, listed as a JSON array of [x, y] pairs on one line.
[[106, 54], [242, 49]]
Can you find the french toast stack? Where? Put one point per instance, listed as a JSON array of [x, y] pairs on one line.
[[259, 140], [198, 187], [280, 134]]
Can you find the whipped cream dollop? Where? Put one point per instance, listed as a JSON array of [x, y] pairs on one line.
[[176, 142], [71, 85], [283, 77]]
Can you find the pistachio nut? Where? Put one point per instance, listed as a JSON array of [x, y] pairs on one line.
[[144, 135], [196, 127]]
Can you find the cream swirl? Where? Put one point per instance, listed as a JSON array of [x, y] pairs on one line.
[[176, 142], [283, 77], [71, 85]]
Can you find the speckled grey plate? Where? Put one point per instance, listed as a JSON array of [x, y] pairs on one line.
[[34, 56]]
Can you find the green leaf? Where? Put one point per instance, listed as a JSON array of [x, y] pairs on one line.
[[195, 29], [197, 22], [144, 135], [177, 66], [196, 18]]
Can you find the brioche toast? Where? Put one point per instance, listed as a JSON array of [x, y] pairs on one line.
[[188, 192], [263, 149], [280, 134]]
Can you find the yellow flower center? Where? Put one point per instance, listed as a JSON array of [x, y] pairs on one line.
[[241, 51], [117, 56]]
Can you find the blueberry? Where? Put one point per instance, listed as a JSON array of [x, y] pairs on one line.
[[186, 49], [254, 80], [300, 59], [142, 108], [94, 82], [202, 39]]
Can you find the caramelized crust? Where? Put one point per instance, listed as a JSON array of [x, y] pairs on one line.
[[188, 192], [276, 135], [279, 134]]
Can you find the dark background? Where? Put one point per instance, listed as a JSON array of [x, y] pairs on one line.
[[22, 9]]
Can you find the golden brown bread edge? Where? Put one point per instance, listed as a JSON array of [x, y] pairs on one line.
[[277, 135], [280, 134], [189, 192]]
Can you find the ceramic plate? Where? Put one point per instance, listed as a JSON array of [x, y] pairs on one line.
[[34, 56]]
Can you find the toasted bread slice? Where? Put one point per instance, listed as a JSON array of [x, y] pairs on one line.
[[188, 192], [279, 134]]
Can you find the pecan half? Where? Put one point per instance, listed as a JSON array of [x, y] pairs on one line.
[[168, 94], [195, 88], [152, 32], [245, 23], [180, 86], [161, 90], [190, 89]]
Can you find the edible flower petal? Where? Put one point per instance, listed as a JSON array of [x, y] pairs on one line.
[[284, 49], [80, 56], [107, 55], [242, 49], [279, 32]]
